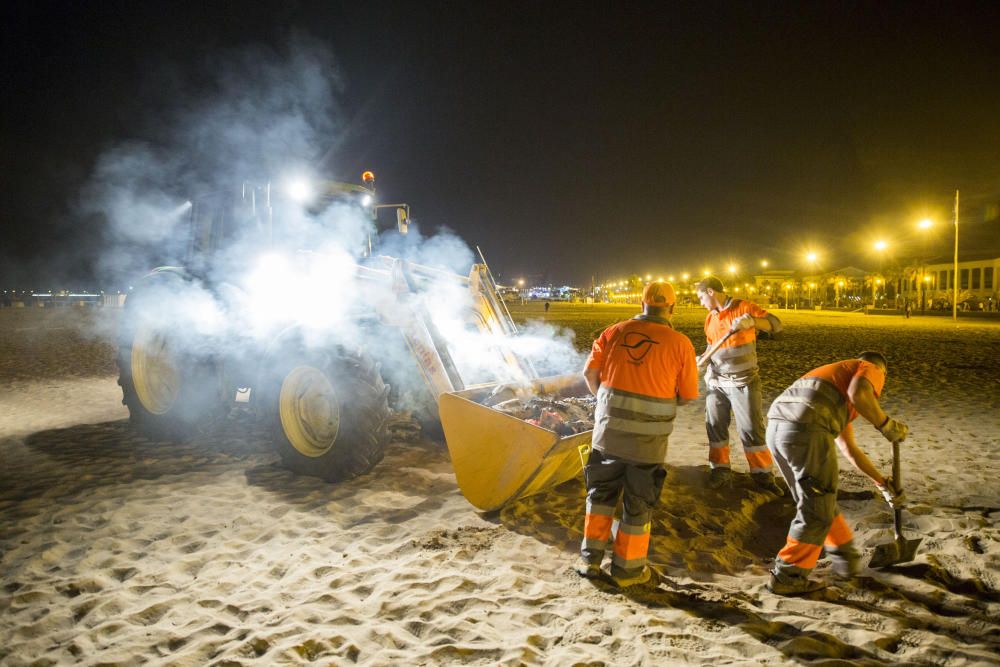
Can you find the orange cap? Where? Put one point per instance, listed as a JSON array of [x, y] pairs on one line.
[[659, 294]]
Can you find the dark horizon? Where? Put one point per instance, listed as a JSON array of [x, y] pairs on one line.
[[566, 141]]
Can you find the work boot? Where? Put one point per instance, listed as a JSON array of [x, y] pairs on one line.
[[587, 569], [622, 581], [782, 585], [765, 481], [720, 477]]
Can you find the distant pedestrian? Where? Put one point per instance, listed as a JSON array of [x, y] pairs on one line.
[[640, 370], [546, 307]]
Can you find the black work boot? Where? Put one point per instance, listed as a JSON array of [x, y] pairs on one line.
[[720, 477], [623, 580], [765, 481], [588, 568], [785, 584]]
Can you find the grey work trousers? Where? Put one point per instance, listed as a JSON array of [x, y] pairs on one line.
[[721, 403], [807, 459], [639, 485]]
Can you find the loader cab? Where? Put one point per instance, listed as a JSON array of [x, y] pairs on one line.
[[294, 214]]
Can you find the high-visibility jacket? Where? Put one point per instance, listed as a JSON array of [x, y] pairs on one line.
[[735, 363], [644, 366], [818, 400]]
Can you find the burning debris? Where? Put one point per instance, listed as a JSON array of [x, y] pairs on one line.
[[565, 416]]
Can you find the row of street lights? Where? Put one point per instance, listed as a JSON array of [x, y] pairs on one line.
[[925, 225], [731, 269], [812, 260]]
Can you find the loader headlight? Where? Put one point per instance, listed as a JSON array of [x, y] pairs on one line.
[[299, 190]]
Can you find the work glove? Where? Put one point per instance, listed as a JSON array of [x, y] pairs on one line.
[[894, 431], [743, 322], [896, 499]]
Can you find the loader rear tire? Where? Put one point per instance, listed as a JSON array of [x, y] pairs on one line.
[[172, 389], [328, 413]]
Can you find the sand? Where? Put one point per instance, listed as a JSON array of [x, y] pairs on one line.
[[118, 550]]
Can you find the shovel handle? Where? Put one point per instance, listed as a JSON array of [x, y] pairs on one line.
[[896, 479], [707, 356], [898, 484]]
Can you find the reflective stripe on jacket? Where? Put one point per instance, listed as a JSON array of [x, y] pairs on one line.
[[735, 363], [633, 426], [814, 404]]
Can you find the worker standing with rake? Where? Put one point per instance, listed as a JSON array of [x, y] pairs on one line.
[[640, 370], [734, 383], [804, 423]]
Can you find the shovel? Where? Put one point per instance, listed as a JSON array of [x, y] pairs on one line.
[[901, 550], [710, 352]]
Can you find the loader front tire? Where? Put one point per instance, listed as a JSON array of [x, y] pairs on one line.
[[328, 413], [170, 385]]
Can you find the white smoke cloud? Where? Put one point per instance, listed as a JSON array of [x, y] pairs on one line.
[[221, 155]]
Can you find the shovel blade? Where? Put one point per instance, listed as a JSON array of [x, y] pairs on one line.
[[900, 551]]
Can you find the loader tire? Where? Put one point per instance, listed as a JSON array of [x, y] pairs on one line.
[[328, 413], [172, 391]]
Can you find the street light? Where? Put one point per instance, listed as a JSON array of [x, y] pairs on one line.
[[763, 263], [924, 225], [880, 247], [954, 302], [787, 287], [811, 258]]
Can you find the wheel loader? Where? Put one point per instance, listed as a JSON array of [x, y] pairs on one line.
[[268, 319]]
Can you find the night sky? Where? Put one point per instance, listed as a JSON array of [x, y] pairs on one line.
[[567, 140]]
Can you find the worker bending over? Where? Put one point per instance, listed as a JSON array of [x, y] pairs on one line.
[[804, 422], [734, 384], [640, 370]]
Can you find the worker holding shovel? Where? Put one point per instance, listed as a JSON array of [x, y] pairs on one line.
[[733, 381], [804, 423]]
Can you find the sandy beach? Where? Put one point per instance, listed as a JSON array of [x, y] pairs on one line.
[[117, 550]]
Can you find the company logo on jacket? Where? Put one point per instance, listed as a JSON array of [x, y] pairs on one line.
[[638, 345]]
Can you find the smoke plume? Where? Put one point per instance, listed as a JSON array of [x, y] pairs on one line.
[[222, 152]]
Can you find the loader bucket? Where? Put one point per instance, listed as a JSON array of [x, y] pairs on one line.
[[499, 458]]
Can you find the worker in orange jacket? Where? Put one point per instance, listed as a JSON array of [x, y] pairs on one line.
[[640, 370], [734, 384], [804, 423]]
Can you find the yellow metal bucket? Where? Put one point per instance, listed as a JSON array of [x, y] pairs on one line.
[[499, 458]]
